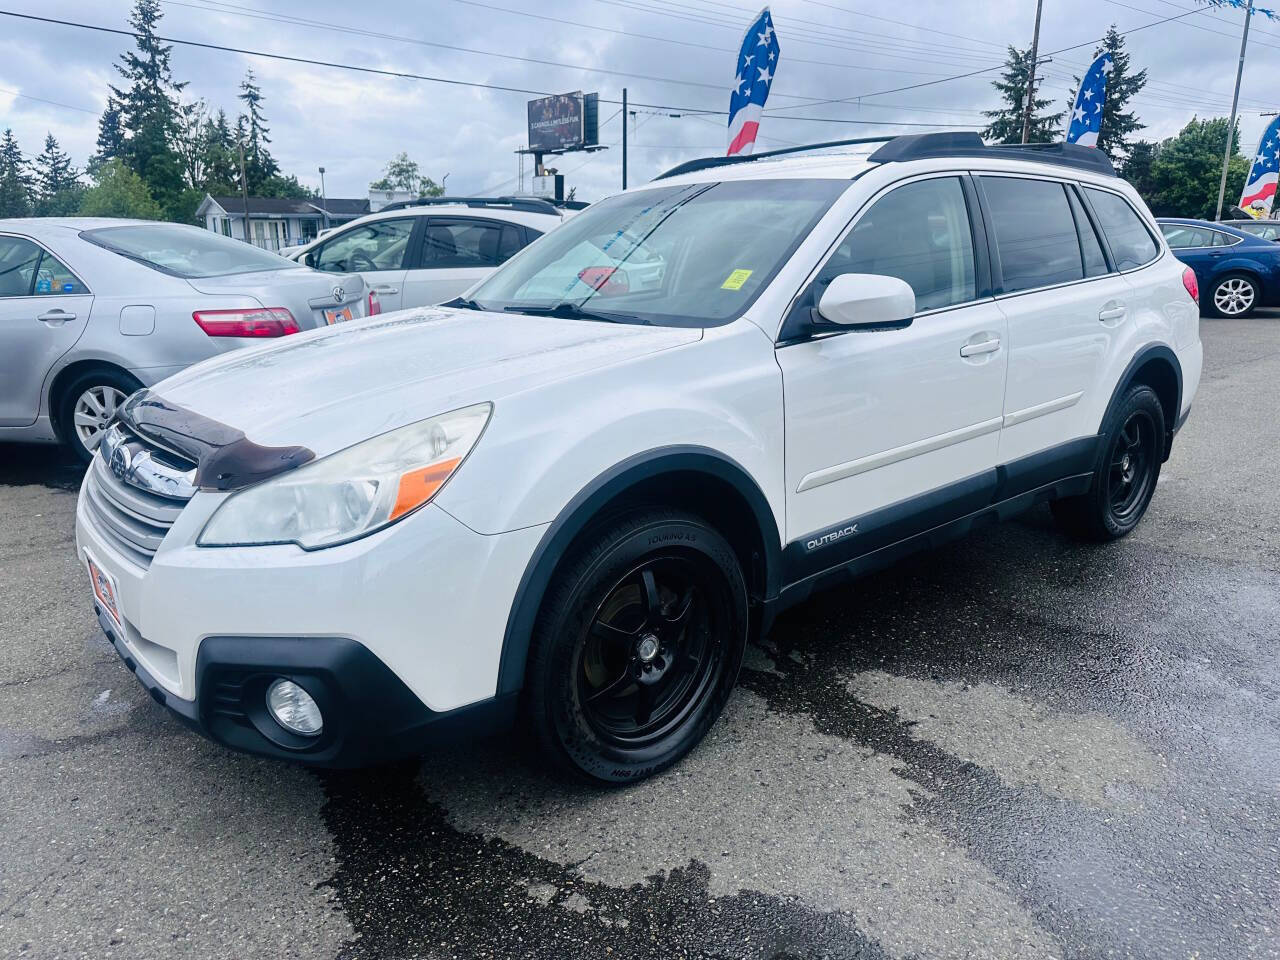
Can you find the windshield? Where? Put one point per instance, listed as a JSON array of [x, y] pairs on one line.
[[694, 255], [188, 252]]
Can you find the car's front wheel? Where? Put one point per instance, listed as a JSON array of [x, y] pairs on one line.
[[1235, 295], [637, 646]]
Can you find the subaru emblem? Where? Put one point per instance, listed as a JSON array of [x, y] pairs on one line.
[[339, 294]]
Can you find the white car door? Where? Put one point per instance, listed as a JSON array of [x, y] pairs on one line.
[[891, 431], [44, 308], [378, 250], [457, 252]]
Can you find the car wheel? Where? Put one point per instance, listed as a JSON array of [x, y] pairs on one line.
[[1126, 473], [637, 647], [1235, 295], [88, 405]]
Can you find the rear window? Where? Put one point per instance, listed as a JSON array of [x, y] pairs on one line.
[[1035, 232], [1131, 243], [183, 251]]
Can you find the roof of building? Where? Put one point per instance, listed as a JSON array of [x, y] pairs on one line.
[[290, 206]]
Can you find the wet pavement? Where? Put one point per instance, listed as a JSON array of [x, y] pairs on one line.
[[1017, 746]]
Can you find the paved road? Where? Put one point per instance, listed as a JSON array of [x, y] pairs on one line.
[[1014, 747]]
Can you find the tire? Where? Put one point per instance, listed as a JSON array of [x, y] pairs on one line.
[[636, 647], [104, 386], [1126, 473], [1234, 296]]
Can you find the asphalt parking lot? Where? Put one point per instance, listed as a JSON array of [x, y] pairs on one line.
[[1014, 747]]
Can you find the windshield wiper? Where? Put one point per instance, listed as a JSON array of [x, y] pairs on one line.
[[462, 303], [568, 310]]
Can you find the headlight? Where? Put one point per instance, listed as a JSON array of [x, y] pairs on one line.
[[353, 492]]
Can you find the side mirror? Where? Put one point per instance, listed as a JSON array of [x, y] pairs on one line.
[[868, 301]]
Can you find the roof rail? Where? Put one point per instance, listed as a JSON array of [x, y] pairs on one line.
[[706, 163], [920, 146], [525, 204]]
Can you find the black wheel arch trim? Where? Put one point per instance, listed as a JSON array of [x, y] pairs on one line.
[[585, 506], [1155, 351]]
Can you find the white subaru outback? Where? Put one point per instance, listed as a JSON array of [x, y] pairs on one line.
[[572, 496]]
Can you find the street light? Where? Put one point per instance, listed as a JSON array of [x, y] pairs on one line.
[[324, 200]]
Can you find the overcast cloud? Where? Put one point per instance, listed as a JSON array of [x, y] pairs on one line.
[[675, 53]]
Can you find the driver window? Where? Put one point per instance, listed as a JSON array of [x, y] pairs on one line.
[[919, 233], [380, 245]]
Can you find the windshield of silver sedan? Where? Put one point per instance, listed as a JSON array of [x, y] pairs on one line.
[[688, 255]]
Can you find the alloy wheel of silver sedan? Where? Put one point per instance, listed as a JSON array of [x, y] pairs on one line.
[[94, 410], [1234, 296]]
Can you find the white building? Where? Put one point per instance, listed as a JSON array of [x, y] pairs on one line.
[[275, 222]]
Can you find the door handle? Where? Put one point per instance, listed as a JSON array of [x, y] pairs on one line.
[[1112, 313], [977, 349], [56, 317], [385, 288]]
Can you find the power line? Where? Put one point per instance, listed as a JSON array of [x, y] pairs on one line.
[[54, 103]]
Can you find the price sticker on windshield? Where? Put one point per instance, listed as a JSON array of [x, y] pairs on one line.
[[735, 280]]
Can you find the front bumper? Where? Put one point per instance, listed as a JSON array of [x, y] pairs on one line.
[[370, 716]]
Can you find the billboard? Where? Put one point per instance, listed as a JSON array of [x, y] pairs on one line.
[[567, 121]]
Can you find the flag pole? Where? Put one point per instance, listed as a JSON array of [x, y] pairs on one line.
[[1031, 74], [1235, 102]]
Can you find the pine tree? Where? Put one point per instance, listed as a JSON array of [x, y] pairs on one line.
[[1122, 86], [259, 164], [110, 135], [1006, 122], [15, 180], [57, 184], [221, 160], [149, 110]]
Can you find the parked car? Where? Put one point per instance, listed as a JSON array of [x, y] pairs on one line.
[[1239, 272], [1265, 229], [426, 251], [575, 505], [93, 309]]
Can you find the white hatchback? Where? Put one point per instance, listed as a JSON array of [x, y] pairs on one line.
[[573, 497]]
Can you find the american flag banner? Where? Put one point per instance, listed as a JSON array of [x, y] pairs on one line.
[[1260, 186], [757, 64], [1086, 115]]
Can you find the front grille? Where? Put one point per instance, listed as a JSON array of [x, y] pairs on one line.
[[133, 519]]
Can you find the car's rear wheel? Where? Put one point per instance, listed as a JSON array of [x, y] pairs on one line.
[[1235, 295], [88, 405], [637, 647], [1126, 473]]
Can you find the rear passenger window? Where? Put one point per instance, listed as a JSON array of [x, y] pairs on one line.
[[1181, 236], [1034, 231], [918, 233], [1131, 243], [1095, 263]]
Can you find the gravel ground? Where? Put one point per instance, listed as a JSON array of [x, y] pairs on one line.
[[1016, 746]]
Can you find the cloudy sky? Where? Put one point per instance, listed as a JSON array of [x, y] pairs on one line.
[[673, 56]]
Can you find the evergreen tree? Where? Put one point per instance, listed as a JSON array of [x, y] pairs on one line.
[[221, 160], [1006, 122], [15, 180], [259, 164], [1184, 172], [1117, 122], [149, 111], [57, 184], [110, 135]]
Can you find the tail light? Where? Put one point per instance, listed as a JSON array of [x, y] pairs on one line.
[[1193, 286], [375, 305], [253, 323]]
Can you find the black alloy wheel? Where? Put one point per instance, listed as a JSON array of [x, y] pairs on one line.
[[1129, 474], [637, 646]]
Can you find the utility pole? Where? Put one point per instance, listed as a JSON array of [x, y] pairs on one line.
[[624, 138], [324, 200], [1031, 74], [244, 192], [1235, 101]]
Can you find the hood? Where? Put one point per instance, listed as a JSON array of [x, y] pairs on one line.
[[329, 388]]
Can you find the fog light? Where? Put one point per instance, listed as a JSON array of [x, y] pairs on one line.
[[292, 708]]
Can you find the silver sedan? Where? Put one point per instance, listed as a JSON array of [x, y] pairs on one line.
[[93, 309]]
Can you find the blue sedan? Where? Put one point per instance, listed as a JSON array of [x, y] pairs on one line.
[[1237, 272]]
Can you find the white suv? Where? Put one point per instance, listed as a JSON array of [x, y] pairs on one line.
[[574, 497], [422, 252]]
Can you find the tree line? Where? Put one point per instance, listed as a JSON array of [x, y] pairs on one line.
[[157, 155], [1177, 177]]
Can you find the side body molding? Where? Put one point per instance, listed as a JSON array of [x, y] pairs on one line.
[[586, 505]]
